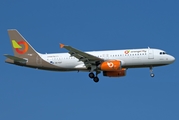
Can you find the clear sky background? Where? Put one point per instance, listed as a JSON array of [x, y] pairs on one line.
[[29, 94]]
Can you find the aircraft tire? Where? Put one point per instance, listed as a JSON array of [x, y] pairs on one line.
[[152, 75], [91, 75], [96, 79]]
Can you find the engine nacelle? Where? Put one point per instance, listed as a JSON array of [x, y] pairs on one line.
[[118, 73], [112, 65]]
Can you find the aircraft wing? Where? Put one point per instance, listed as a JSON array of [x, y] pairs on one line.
[[88, 59]]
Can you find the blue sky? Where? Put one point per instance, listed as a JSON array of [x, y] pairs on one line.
[[29, 94]]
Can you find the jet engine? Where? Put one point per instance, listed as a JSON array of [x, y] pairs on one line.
[[112, 65], [118, 73]]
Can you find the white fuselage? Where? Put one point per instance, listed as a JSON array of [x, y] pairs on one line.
[[130, 58]]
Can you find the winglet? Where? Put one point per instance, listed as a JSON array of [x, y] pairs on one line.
[[61, 45]]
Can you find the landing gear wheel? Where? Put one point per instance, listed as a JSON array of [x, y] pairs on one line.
[[152, 75], [96, 79], [151, 72], [91, 75]]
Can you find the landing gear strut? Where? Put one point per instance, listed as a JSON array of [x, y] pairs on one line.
[[151, 72]]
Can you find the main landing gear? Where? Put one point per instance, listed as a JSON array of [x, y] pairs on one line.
[[95, 78], [151, 72]]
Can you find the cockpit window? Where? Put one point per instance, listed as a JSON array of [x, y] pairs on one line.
[[162, 53]]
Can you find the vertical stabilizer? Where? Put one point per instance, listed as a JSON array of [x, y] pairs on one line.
[[25, 54], [20, 46]]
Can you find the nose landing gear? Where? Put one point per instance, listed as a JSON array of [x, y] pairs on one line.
[[151, 72]]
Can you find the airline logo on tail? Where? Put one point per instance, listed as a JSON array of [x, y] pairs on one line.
[[18, 46]]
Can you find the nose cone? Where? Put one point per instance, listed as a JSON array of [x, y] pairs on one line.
[[171, 59]]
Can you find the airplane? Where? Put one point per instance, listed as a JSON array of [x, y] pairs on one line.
[[112, 63]]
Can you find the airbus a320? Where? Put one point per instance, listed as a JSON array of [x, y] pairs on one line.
[[112, 63]]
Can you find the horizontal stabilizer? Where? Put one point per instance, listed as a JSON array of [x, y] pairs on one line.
[[16, 59]]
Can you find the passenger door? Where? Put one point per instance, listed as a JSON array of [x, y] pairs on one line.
[[150, 54]]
